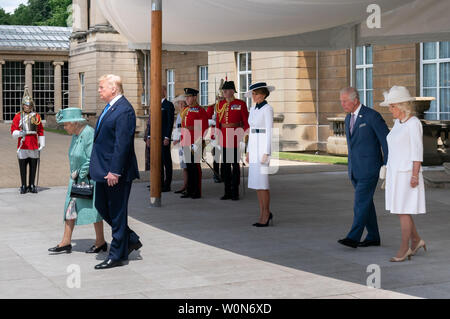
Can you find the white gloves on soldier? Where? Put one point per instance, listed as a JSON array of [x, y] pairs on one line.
[[194, 147], [242, 147], [383, 176], [17, 134], [212, 122], [41, 142]]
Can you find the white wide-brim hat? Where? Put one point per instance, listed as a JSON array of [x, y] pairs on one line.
[[179, 98], [397, 94], [258, 85]]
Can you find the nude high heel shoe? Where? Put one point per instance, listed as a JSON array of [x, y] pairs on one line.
[[407, 255], [419, 245]]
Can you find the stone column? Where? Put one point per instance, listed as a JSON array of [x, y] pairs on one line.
[[1, 91], [29, 76], [80, 15], [58, 89]]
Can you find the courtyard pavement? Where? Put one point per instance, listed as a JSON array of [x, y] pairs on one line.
[[207, 248]]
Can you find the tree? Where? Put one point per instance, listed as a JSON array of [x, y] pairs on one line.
[[5, 18]]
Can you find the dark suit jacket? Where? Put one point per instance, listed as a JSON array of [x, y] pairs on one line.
[[167, 120], [365, 144], [113, 149]]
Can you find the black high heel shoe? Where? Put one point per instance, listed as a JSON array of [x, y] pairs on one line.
[[266, 224], [96, 250], [57, 249]]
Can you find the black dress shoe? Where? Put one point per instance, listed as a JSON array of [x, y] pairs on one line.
[[32, 189], [367, 243], [148, 186], [96, 250], [165, 189], [348, 242], [196, 196], [67, 249], [217, 180], [109, 263], [235, 197], [136, 246], [180, 191], [23, 189], [186, 195], [225, 197]]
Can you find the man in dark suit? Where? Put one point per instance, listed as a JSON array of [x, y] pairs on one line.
[[167, 120], [167, 117], [113, 166], [366, 133]]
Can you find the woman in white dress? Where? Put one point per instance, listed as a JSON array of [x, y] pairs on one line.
[[259, 148], [405, 191]]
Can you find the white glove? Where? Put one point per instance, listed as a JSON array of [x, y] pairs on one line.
[[242, 147], [41, 142], [213, 143], [17, 134], [383, 172], [74, 175], [214, 116], [194, 147], [211, 122]]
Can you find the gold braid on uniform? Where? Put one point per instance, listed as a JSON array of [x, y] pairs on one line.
[[36, 120], [221, 111], [183, 115]]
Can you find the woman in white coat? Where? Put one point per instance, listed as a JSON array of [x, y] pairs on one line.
[[405, 191], [259, 148]]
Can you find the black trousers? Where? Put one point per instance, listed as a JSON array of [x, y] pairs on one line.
[[112, 205], [194, 170], [32, 162], [166, 167], [231, 176]]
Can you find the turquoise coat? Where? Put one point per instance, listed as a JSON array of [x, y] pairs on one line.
[[79, 158]]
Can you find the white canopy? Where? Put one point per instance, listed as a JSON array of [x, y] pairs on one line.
[[278, 25]]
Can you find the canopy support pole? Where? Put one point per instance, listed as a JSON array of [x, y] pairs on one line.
[[155, 104], [353, 58]]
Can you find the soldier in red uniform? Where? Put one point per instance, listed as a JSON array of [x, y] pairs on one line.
[[232, 120], [194, 123], [27, 128]]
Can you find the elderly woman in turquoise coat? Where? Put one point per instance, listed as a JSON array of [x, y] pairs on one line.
[[79, 211]]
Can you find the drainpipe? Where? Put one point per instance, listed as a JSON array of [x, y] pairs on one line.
[[317, 100]]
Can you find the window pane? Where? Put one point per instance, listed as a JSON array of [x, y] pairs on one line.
[[249, 80], [433, 93], [429, 50], [429, 75], [243, 83], [369, 54], [444, 74], [444, 100], [369, 98], [359, 55], [362, 96], [369, 78], [444, 49], [360, 79], [249, 59], [242, 62]]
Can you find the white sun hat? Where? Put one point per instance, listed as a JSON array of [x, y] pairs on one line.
[[397, 94], [258, 85], [179, 98]]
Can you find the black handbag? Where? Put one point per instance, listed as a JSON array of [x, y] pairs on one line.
[[85, 191]]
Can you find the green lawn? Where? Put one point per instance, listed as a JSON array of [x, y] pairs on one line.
[[303, 157]]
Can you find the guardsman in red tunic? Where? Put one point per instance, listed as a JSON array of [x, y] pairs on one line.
[[27, 128], [232, 120], [194, 123]]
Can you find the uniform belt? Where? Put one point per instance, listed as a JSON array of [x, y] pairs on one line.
[[226, 125], [258, 130]]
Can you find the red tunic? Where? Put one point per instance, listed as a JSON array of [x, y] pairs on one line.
[[195, 115], [30, 141], [232, 120]]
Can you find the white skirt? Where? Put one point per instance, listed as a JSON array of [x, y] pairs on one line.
[[258, 176], [401, 198]]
